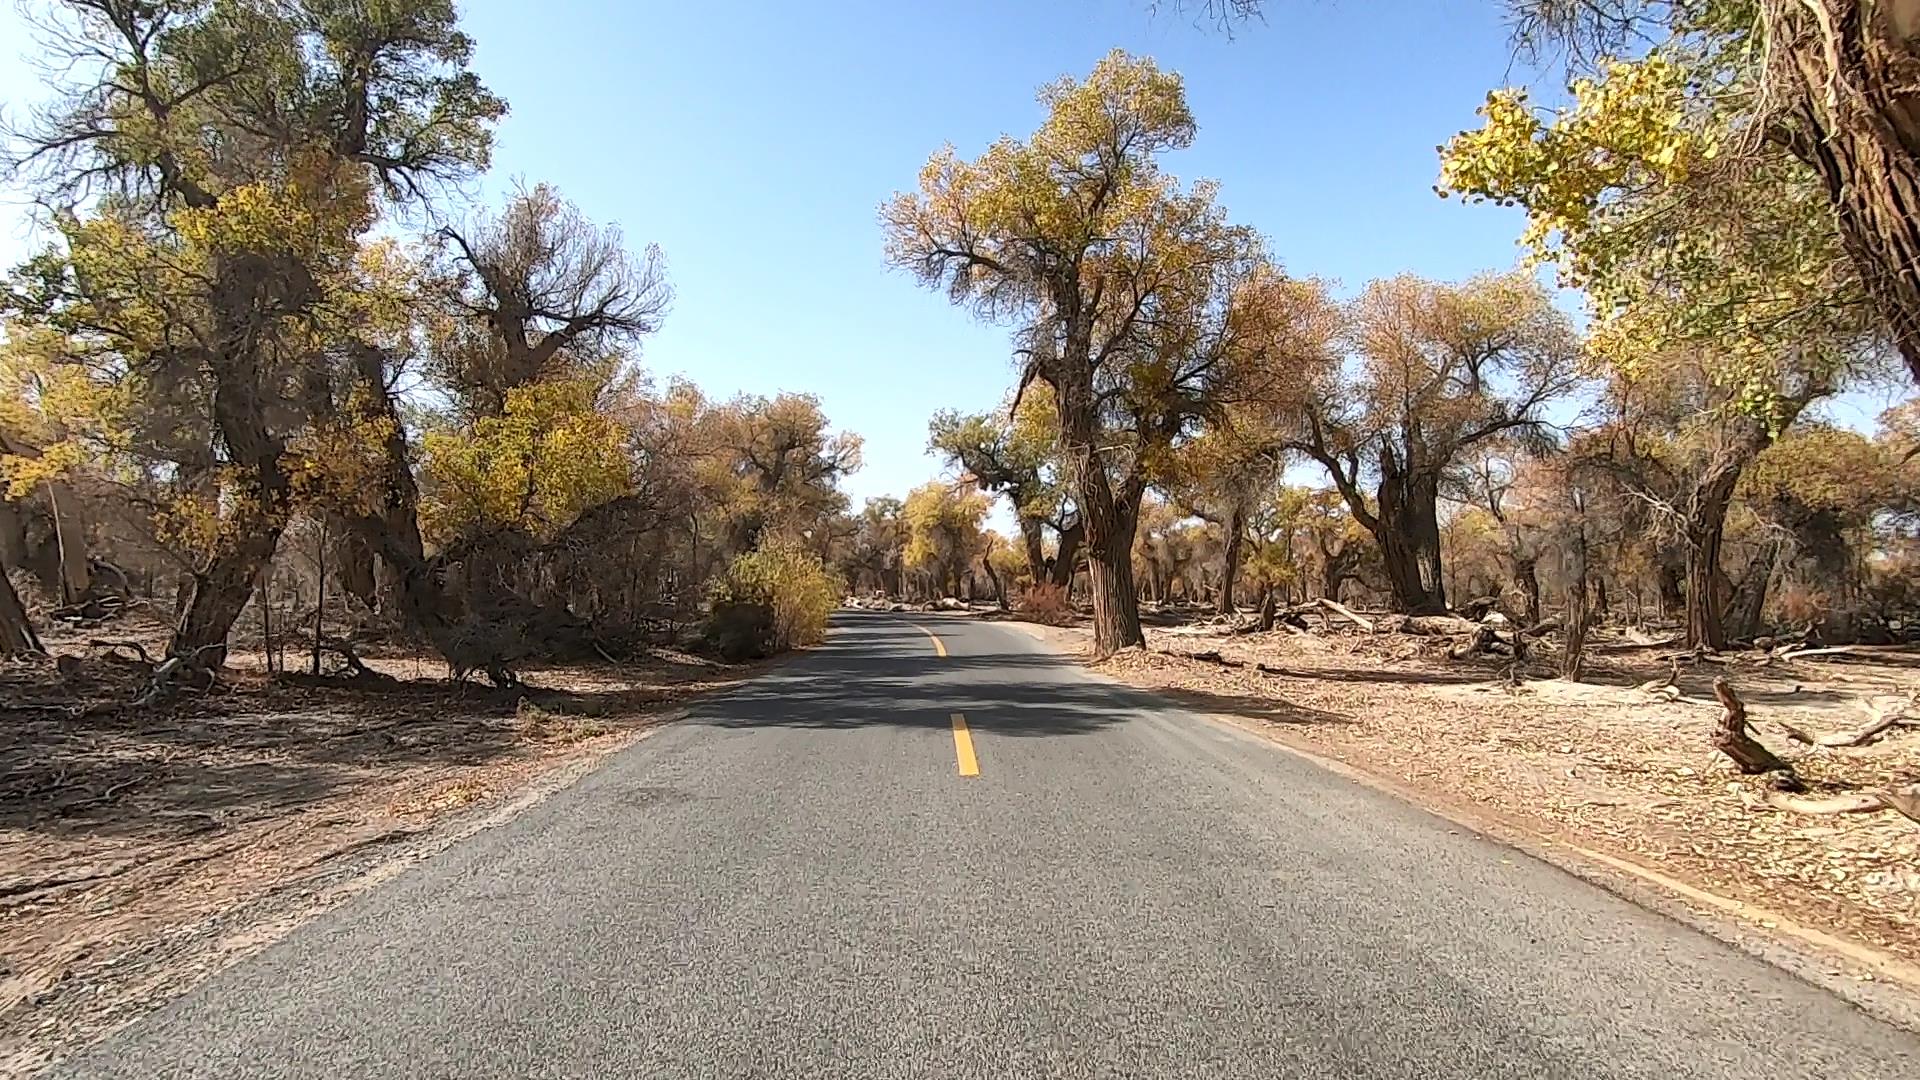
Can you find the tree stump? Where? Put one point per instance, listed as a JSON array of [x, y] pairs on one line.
[[1734, 740]]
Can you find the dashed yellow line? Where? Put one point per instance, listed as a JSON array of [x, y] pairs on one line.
[[963, 747], [939, 647]]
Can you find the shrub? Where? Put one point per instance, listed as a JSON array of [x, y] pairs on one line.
[[1045, 603], [769, 601], [543, 725]]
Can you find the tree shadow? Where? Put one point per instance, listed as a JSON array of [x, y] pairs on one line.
[[877, 671]]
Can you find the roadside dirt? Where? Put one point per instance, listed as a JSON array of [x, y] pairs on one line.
[[1600, 763], [140, 850]]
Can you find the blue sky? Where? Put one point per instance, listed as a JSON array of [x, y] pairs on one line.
[[755, 140]]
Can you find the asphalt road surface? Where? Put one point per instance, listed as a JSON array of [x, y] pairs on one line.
[[801, 880]]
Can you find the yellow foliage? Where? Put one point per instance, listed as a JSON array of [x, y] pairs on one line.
[[550, 455], [789, 581]]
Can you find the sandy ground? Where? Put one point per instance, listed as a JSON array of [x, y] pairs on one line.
[[1598, 763], [140, 850]]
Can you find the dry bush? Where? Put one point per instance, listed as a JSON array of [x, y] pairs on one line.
[[536, 724], [1045, 603], [1800, 604]]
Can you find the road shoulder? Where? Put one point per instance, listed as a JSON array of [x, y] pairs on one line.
[[1879, 982]]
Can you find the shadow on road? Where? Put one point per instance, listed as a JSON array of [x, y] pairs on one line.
[[880, 670]]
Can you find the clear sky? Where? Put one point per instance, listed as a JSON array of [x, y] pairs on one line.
[[754, 141]]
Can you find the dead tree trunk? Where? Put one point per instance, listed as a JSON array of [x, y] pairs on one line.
[[1733, 739]]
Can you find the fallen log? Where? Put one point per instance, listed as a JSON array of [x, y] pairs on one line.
[[112, 646], [1438, 625], [1484, 640]]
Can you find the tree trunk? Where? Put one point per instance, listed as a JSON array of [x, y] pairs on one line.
[[1673, 597], [1856, 122], [1060, 571], [1526, 575], [1705, 627], [13, 535], [352, 561], [1333, 572], [16, 630], [1030, 541], [993, 577], [70, 539], [1573, 657], [1750, 599], [1116, 614], [1230, 566], [1409, 535], [219, 593], [1602, 607]]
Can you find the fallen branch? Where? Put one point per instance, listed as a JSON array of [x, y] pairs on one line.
[[1903, 801], [1845, 650], [1881, 719], [141, 650], [1484, 640], [1213, 656], [1337, 608], [1668, 687], [1541, 628]]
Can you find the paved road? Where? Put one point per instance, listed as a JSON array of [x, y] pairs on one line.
[[799, 882]]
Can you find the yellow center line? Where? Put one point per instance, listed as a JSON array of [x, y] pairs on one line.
[[963, 747], [939, 647]]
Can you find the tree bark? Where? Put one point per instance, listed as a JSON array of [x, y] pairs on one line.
[[1750, 599], [70, 540], [16, 630], [1704, 531], [1036, 554], [1236, 528], [1573, 657], [1408, 529], [1732, 738], [1116, 614], [1852, 68], [218, 594], [1065, 560]]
